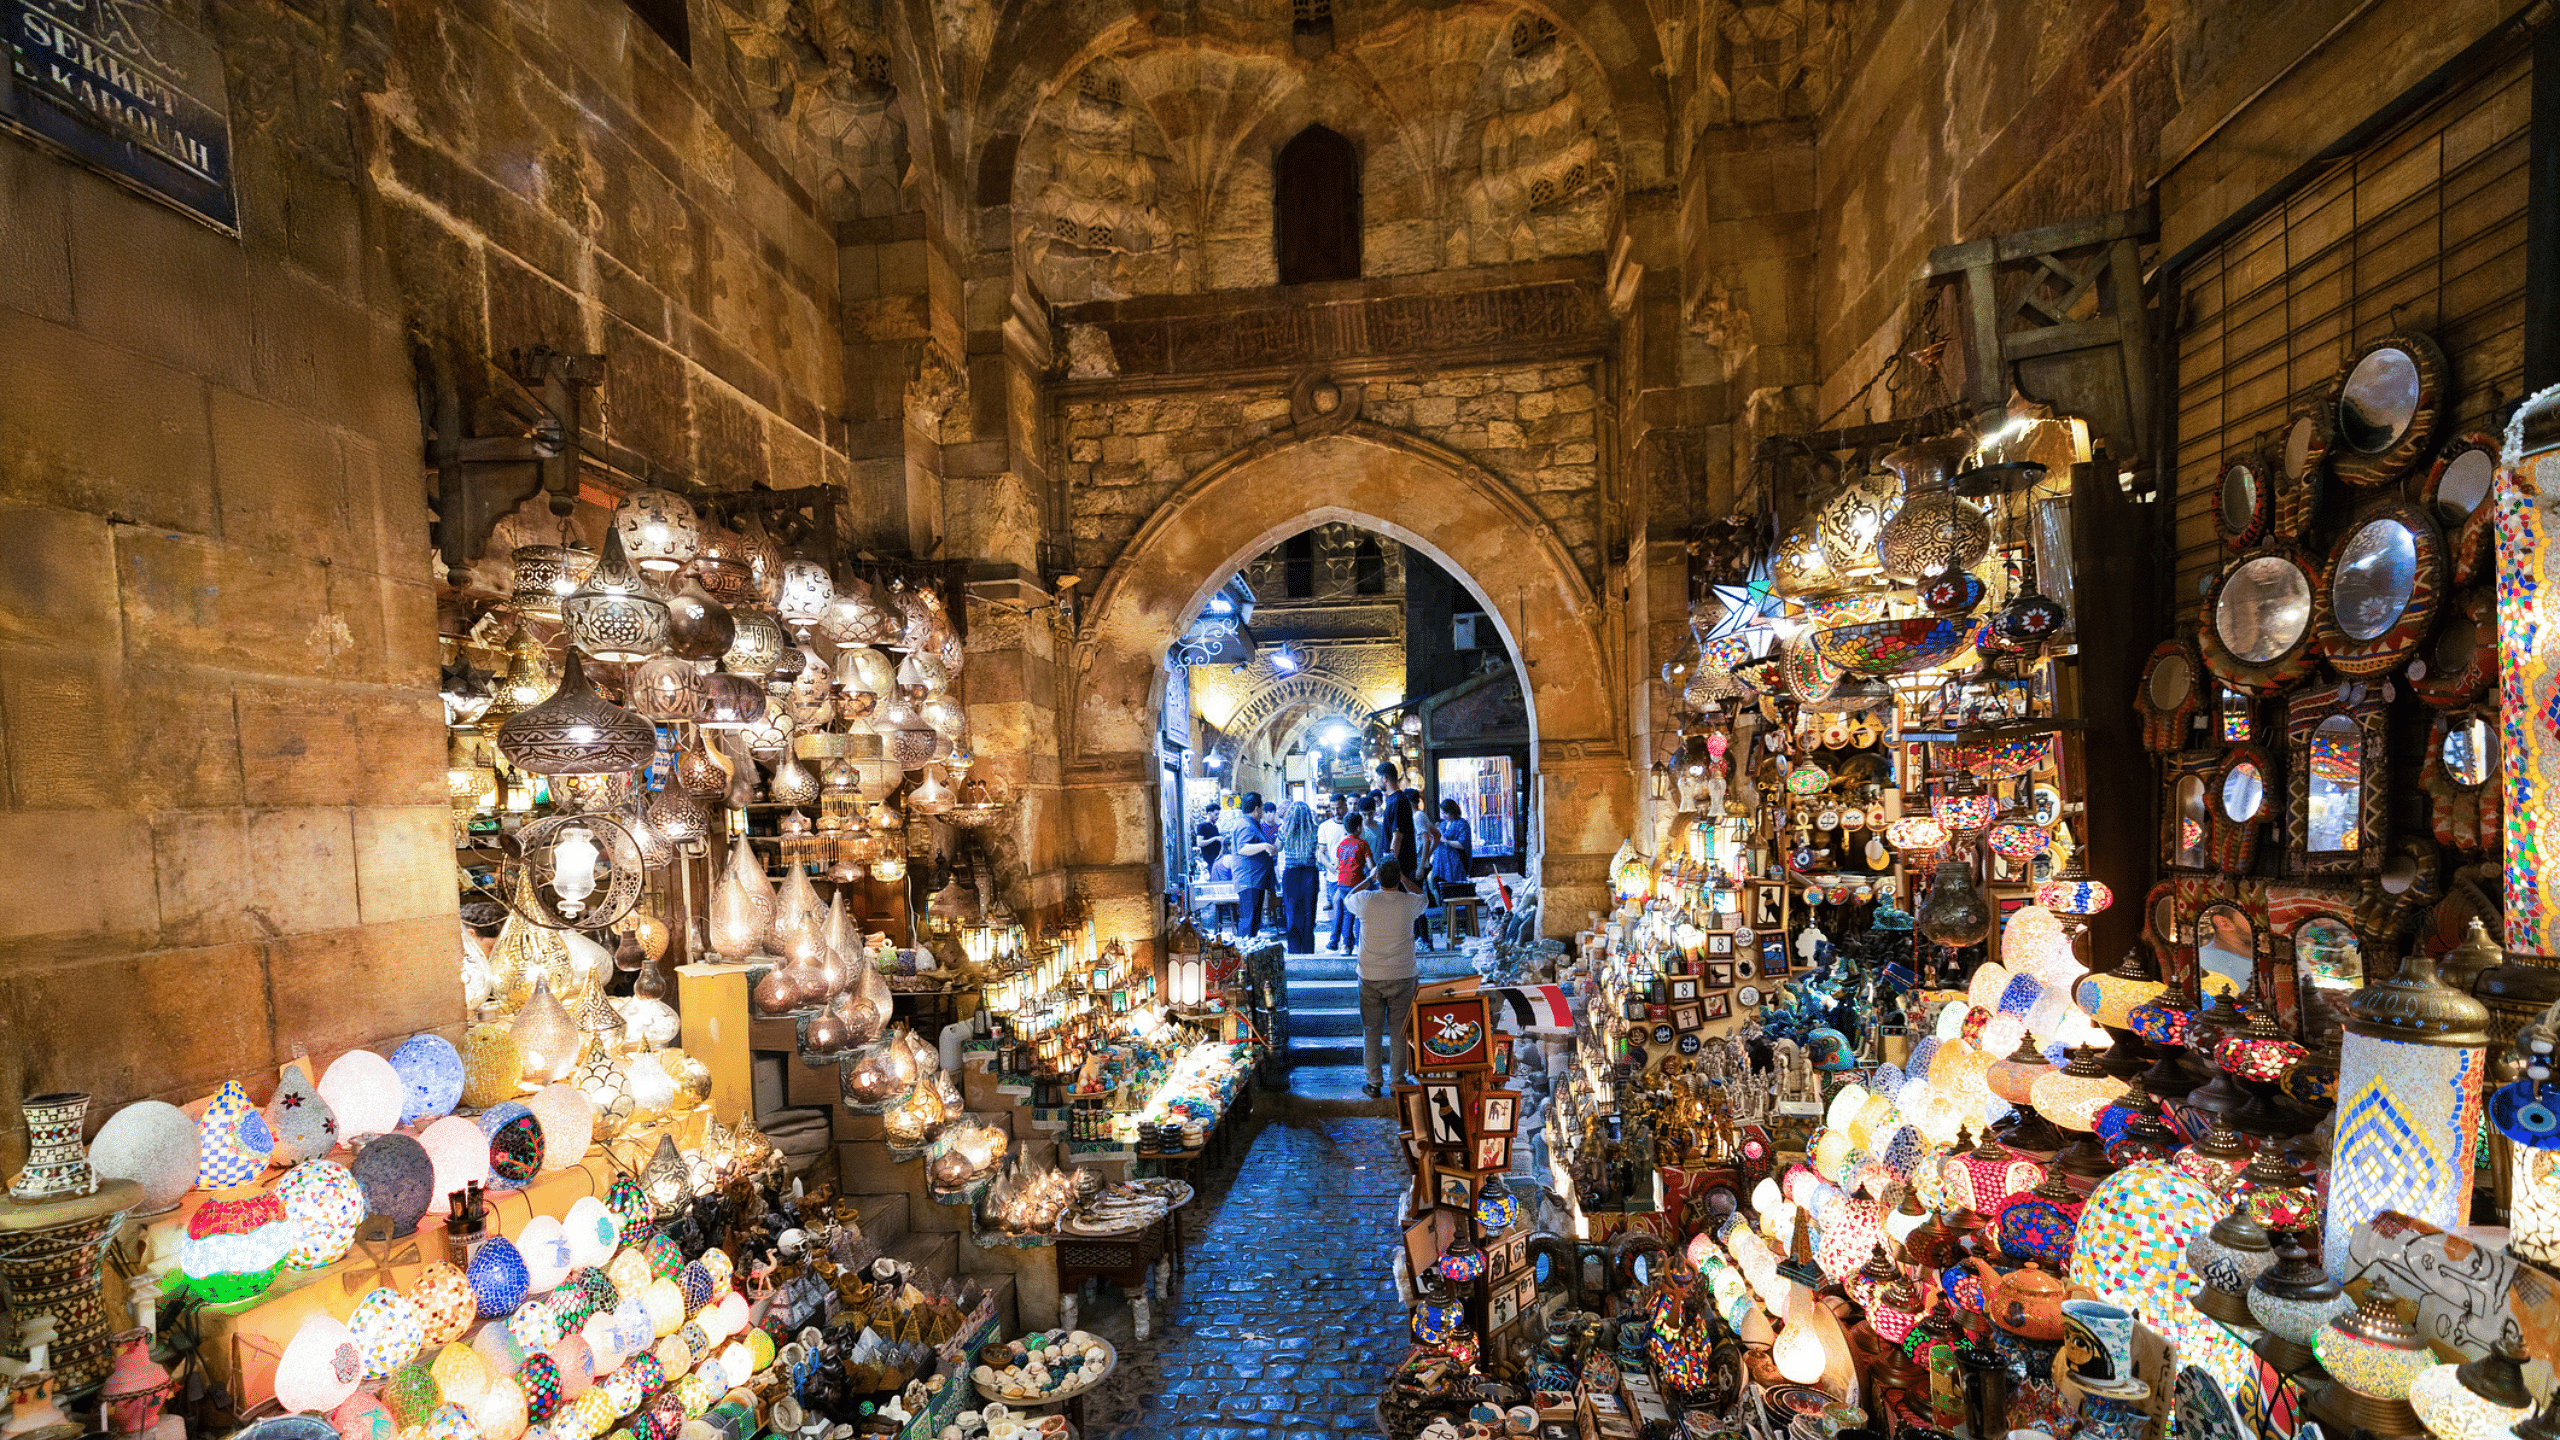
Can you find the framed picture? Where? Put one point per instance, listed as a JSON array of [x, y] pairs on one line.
[[1455, 1189], [1683, 990], [1453, 1034], [1720, 974], [1444, 1113], [1498, 1112], [1502, 1053], [1773, 956], [1636, 1007], [1504, 1308], [1410, 1112], [1493, 1152], [1688, 1017], [1524, 1294], [1768, 908], [1517, 1247], [1719, 942], [1422, 1243], [1718, 1005]]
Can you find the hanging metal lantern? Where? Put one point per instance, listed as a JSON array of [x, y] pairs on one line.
[[614, 616], [577, 732], [574, 872]]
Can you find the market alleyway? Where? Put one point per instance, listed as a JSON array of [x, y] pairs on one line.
[[1287, 1321]]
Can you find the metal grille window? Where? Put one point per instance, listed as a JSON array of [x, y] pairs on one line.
[[2422, 230]]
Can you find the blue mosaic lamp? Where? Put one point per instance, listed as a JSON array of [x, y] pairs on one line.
[[2409, 1105]]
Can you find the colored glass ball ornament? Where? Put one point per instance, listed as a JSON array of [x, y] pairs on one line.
[[388, 1329], [541, 1381], [366, 1094], [593, 1232], [234, 1248], [664, 1303], [500, 1412], [695, 1281], [500, 1349], [498, 1278], [630, 1205], [665, 1257], [298, 1120], [716, 1261], [227, 1158], [363, 1417], [449, 1422], [515, 1143], [325, 1204], [458, 1151], [545, 1247], [575, 1361], [568, 1124], [629, 1271], [153, 1144], [446, 1306], [321, 1366], [492, 1068], [432, 1070], [411, 1392], [537, 1324], [460, 1374]]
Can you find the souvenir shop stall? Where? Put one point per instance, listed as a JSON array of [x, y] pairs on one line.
[[1818, 1164]]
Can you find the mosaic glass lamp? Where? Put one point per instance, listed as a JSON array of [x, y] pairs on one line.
[[2409, 1104], [2227, 1259], [2074, 896], [2372, 1356], [2292, 1300], [2113, 996], [2482, 1400], [2072, 1096]]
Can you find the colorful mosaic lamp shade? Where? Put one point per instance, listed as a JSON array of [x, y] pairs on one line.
[[2409, 1105], [2372, 1356], [2074, 897], [2482, 1400]]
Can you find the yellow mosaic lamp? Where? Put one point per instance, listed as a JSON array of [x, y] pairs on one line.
[[2372, 1356], [2483, 1400], [2410, 1077], [2072, 1096]]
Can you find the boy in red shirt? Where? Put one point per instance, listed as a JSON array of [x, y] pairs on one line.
[[1351, 862]]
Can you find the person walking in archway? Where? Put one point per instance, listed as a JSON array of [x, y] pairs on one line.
[[1298, 878], [1352, 857], [1331, 825], [1254, 846], [1401, 839], [1387, 982]]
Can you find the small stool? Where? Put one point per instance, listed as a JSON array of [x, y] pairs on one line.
[[1461, 911]]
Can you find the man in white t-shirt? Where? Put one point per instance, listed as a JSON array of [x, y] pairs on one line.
[[1328, 844], [1387, 983]]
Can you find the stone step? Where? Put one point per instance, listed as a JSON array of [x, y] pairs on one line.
[[884, 1218], [937, 1252], [1333, 1023], [1324, 1050], [1428, 965]]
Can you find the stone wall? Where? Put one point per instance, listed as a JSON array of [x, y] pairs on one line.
[[1534, 426], [225, 831]]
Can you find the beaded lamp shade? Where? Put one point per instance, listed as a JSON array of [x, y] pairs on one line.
[[2074, 897], [1964, 808]]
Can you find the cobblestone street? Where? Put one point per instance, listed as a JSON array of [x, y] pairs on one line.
[[1287, 1321]]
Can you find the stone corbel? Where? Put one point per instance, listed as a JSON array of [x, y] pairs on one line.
[[481, 479]]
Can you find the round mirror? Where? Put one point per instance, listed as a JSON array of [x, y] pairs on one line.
[[2265, 608], [2377, 573], [2467, 750], [2239, 499], [2300, 445], [2170, 682], [2191, 822], [2380, 400], [2456, 645], [2336, 791], [2226, 949], [2328, 968], [2465, 484], [2243, 791]]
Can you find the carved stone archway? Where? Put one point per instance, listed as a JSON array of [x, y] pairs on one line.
[[1488, 536]]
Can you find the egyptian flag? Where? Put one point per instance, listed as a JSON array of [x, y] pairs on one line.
[[1540, 1009]]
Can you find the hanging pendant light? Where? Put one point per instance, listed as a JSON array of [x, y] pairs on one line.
[[545, 575], [699, 627], [806, 589], [614, 616], [658, 530], [577, 732], [547, 1039], [699, 775], [741, 907], [1936, 530], [798, 920], [720, 564], [755, 643], [792, 783], [665, 688], [1956, 914]]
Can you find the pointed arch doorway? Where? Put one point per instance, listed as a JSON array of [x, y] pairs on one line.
[[1472, 524]]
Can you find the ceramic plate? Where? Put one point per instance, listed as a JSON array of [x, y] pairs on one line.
[[1748, 997], [2203, 1411]]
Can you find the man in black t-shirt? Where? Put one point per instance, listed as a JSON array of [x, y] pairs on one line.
[[1210, 843], [1397, 816]]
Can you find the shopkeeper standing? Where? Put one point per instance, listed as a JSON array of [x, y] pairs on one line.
[[1387, 916], [1254, 845]]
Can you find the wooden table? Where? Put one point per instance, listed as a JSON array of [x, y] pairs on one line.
[[1128, 1261]]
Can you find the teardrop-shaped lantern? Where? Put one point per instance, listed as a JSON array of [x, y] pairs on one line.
[[699, 627], [793, 783], [614, 616]]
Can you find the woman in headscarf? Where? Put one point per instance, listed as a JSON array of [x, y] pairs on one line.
[[1298, 871]]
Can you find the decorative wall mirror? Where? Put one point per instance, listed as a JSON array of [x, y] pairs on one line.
[[2160, 917], [2388, 401], [2458, 491], [2384, 587], [2186, 823], [2338, 818], [2460, 664], [2245, 795], [2256, 628], [2328, 969], [2466, 804], [2171, 692], [2226, 942], [2246, 499], [2308, 433]]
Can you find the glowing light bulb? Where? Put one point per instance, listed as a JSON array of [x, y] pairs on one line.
[[573, 868], [1798, 1351]]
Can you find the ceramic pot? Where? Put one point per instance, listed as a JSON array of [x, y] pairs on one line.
[[56, 1162]]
